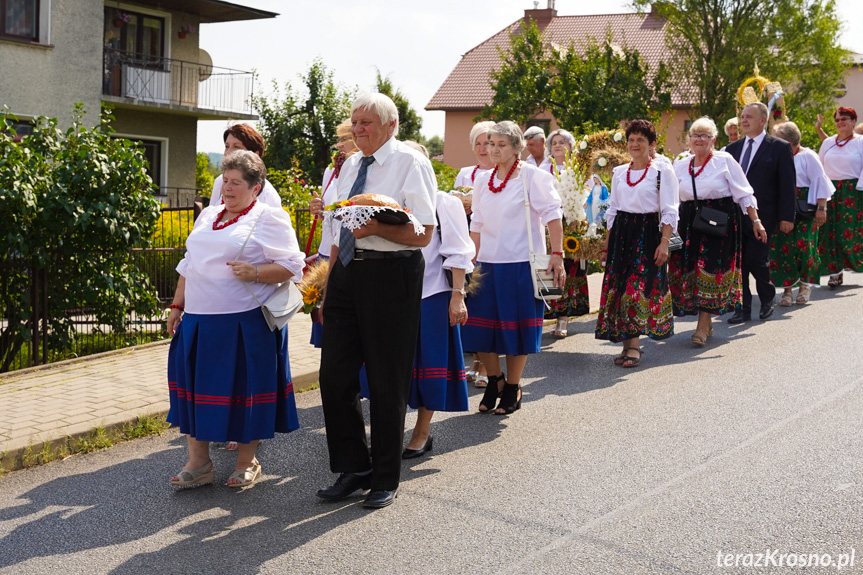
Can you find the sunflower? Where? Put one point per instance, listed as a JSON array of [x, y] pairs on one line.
[[570, 244], [311, 295]]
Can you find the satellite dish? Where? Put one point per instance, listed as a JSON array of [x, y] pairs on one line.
[[206, 65]]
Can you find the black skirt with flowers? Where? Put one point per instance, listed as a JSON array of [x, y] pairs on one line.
[[635, 298]]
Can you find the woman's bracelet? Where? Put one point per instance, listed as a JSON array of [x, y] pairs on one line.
[[756, 221], [257, 275], [557, 253], [175, 306]]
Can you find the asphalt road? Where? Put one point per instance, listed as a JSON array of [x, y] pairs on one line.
[[749, 446]]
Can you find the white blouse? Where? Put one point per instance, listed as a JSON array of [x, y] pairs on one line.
[[450, 246], [845, 162], [328, 197], [810, 173], [500, 220], [464, 176], [268, 195], [546, 166], [721, 178], [643, 198], [211, 287]]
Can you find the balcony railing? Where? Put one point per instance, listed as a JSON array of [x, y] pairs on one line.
[[169, 81]]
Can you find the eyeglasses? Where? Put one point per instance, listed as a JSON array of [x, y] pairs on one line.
[[344, 139], [841, 119], [700, 136]]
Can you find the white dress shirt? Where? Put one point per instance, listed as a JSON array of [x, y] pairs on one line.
[[500, 220], [450, 246], [721, 178], [211, 286], [401, 173], [328, 197], [531, 160], [464, 176], [756, 143], [268, 195], [643, 198], [845, 162], [810, 174]]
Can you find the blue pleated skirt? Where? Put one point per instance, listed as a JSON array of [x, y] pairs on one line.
[[504, 317], [229, 378], [438, 382]]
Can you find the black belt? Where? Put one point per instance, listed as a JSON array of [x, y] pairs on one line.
[[376, 255]]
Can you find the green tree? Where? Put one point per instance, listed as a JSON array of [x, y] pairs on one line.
[[299, 127], [434, 145], [714, 46], [410, 122], [587, 87], [75, 203], [203, 175]]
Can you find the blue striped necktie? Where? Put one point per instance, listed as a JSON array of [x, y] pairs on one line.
[[347, 241], [744, 162]]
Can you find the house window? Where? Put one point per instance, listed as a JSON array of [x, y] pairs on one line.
[[22, 129], [544, 124], [140, 37], [19, 19], [152, 150]]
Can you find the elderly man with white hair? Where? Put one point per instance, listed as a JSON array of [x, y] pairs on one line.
[[534, 142], [372, 307]]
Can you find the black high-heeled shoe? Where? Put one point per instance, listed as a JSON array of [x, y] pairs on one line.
[[489, 398], [510, 399]]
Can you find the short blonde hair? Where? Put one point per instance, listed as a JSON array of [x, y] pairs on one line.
[[479, 128], [731, 122], [704, 124]]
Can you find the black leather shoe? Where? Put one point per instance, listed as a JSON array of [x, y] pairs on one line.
[[766, 310], [739, 317], [411, 453], [379, 499], [346, 484]]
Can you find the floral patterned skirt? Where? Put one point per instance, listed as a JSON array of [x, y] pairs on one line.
[[576, 298], [794, 256], [705, 275], [635, 299], [840, 239]]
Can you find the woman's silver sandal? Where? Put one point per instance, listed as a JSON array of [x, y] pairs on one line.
[[245, 477], [201, 476]]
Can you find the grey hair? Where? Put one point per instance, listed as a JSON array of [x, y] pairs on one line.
[[704, 124], [417, 146], [533, 132], [510, 130], [789, 132], [479, 128], [567, 137], [731, 122], [380, 104], [249, 163], [762, 107]]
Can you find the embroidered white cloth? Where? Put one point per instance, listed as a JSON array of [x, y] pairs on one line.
[[355, 217]]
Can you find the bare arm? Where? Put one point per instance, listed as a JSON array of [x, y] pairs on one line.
[[180, 300], [403, 234]]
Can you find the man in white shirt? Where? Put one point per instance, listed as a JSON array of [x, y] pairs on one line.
[[534, 139], [372, 307]]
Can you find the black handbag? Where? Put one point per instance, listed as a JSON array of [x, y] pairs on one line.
[[708, 221], [806, 210], [675, 242], [448, 272]]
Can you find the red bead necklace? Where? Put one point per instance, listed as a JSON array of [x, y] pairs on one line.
[[644, 175], [473, 174], [701, 169], [492, 187], [848, 139], [218, 226]]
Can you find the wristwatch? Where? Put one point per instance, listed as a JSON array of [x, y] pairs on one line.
[[822, 208]]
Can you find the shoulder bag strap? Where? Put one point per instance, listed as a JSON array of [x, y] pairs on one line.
[[531, 254]]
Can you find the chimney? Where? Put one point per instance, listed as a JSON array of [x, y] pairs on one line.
[[542, 17]]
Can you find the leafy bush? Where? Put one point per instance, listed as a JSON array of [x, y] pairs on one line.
[[445, 175]]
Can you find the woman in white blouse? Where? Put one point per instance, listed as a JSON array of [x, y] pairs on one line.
[[840, 237], [794, 258], [705, 275], [576, 297], [641, 216], [438, 382], [505, 318], [466, 178], [240, 388]]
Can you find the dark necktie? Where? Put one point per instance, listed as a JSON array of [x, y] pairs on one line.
[[347, 241], [744, 163]]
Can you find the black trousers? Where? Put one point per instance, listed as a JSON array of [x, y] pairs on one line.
[[756, 257], [371, 314]]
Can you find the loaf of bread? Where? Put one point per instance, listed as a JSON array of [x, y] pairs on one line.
[[375, 200]]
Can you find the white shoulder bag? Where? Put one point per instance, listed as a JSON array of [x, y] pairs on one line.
[[285, 301], [543, 283]]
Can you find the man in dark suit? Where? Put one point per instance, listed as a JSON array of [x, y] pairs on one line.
[[769, 166]]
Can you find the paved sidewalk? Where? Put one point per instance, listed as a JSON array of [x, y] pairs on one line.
[[72, 398]]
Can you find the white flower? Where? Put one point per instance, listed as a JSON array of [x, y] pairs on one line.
[[602, 162], [618, 137], [583, 145]]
